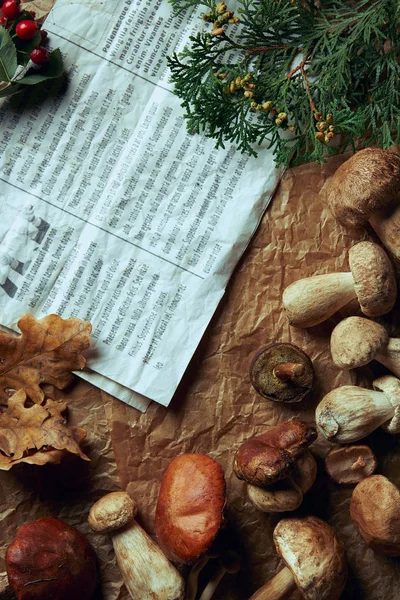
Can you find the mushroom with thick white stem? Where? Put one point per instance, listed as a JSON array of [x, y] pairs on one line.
[[367, 188], [315, 561], [372, 281], [147, 573], [277, 466], [349, 413], [356, 341]]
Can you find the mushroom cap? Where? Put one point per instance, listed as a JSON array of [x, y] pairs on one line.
[[270, 387], [374, 278], [375, 509], [350, 464], [315, 556], [54, 556], [367, 182], [190, 507], [112, 512], [356, 341], [266, 458]]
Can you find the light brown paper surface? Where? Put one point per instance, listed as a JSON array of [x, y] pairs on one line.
[[216, 408]]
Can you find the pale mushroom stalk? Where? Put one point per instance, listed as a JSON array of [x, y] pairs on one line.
[[229, 563], [371, 280], [350, 413], [146, 571], [286, 371], [390, 356], [193, 577], [280, 587], [386, 225]]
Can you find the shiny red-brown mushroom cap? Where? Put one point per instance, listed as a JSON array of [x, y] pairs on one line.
[[374, 278], [266, 458], [375, 509], [356, 341], [367, 182], [314, 554], [190, 507], [51, 560]]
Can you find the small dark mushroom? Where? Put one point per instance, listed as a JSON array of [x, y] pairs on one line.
[[282, 372]]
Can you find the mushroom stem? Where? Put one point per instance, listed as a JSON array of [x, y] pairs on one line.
[[229, 563], [311, 301], [6, 592], [358, 464], [386, 224], [193, 578], [279, 587], [286, 371], [391, 356]]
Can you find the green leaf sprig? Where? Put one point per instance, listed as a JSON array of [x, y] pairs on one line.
[[294, 74]]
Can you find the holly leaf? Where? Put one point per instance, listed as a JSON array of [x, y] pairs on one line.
[[8, 56], [52, 69], [46, 352], [36, 434]]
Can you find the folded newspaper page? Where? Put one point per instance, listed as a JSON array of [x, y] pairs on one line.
[[110, 211]]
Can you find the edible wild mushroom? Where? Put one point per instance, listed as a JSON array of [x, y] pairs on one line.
[[356, 341], [282, 372], [277, 466], [311, 301], [350, 413], [146, 572], [350, 464], [367, 188], [375, 510], [315, 561], [50, 560]]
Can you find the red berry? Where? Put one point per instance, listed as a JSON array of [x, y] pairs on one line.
[[39, 55], [3, 20], [26, 29], [10, 9], [44, 36]]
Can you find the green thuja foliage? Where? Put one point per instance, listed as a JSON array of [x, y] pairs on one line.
[[293, 74]]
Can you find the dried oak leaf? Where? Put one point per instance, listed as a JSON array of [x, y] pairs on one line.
[[36, 434], [47, 351]]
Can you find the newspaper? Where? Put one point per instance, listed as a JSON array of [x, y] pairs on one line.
[[110, 211]]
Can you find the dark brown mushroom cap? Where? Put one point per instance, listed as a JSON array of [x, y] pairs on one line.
[[367, 182], [269, 386], [375, 509], [374, 278], [350, 464], [315, 556], [356, 341], [266, 458], [190, 507]]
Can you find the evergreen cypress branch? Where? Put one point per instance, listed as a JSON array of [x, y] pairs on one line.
[[300, 75]]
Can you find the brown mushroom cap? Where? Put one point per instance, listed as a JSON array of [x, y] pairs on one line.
[[356, 341], [315, 556], [266, 458], [350, 464], [367, 182], [112, 512], [271, 387], [190, 507], [374, 278], [375, 509]]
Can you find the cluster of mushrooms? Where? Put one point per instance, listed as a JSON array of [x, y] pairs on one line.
[[51, 560]]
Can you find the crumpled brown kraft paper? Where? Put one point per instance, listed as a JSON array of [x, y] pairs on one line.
[[216, 408], [68, 490]]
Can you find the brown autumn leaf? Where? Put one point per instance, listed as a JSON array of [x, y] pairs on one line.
[[46, 352], [36, 434]]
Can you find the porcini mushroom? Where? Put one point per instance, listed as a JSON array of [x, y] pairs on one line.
[[146, 571], [356, 341], [311, 301], [375, 510], [282, 372], [350, 413], [50, 560], [315, 561], [350, 464], [367, 188], [277, 467], [190, 507]]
